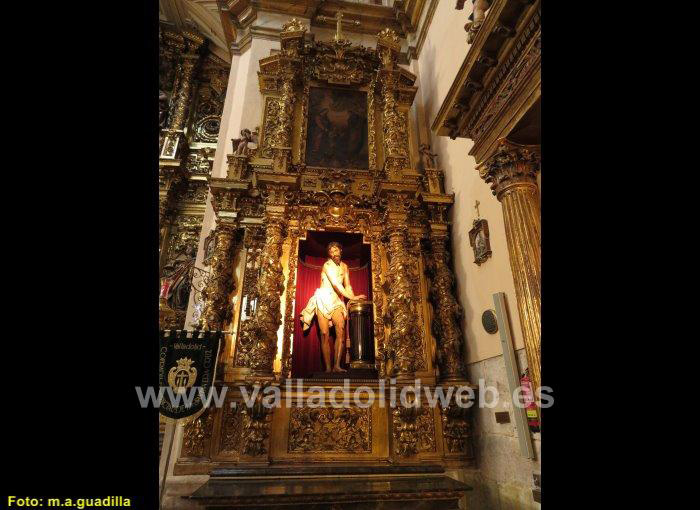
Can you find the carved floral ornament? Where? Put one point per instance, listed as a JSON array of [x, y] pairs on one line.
[[293, 25]]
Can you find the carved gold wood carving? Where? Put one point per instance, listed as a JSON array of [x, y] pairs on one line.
[[327, 429], [413, 430], [301, 152], [445, 324], [258, 337], [256, 426], [456, 428], [197, 436], [282, 136], [216, 295], [183, 97], [394, 127], [232, 429], [512, 173], [270, 126], [341, 63], [371, 125], [181, 103], [254, 241], [289, 308], [404, 348], [379, 337]]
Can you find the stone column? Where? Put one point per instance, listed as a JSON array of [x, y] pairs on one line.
[[512, 174], [394, 129], [404, 347], [446, 328], [257, 340], [220, 285]]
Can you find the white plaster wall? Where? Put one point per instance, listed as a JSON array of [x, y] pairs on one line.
[[438, 63]]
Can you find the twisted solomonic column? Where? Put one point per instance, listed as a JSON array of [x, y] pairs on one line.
[[512, 173], [445, 325], [404, 346], [220, 284]]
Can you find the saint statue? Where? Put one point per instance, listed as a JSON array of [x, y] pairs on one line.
[[328, 305], [175, 287]]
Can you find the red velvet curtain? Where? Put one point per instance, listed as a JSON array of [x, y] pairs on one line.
[[306, 348]]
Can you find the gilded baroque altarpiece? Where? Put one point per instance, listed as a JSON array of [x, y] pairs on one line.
[[270, 200]]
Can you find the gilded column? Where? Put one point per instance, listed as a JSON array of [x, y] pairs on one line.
[[445, 324], [189, 61], [512, 173], [394, 128], [293, 234], [257, 341], [404, 349], [220, 284], [292, 37]]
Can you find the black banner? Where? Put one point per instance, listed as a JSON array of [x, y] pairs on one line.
[[186, 370]]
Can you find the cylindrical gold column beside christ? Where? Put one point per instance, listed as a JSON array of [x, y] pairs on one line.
[[512, 173]]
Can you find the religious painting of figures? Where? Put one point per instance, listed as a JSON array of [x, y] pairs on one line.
[[337, 129]]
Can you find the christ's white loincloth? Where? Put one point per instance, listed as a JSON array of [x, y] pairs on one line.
[[324, 300]]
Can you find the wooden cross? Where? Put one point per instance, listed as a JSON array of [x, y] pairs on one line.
[[338, 24], [476, 206]]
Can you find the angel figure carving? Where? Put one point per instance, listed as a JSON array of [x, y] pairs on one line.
[[248, 142]]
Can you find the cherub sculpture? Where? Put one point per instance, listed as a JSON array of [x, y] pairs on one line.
[[241, 146]]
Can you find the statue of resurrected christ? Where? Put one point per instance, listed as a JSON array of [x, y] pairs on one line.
[[328, 305]]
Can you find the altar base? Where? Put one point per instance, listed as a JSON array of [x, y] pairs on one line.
[[388, 488]]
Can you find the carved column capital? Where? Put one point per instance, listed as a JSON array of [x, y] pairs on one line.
[[172, 43], [292, 38], [512, 165], [388, 47], [193, 41]]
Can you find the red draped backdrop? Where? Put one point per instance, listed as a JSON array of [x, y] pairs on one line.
[[306, 348]]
